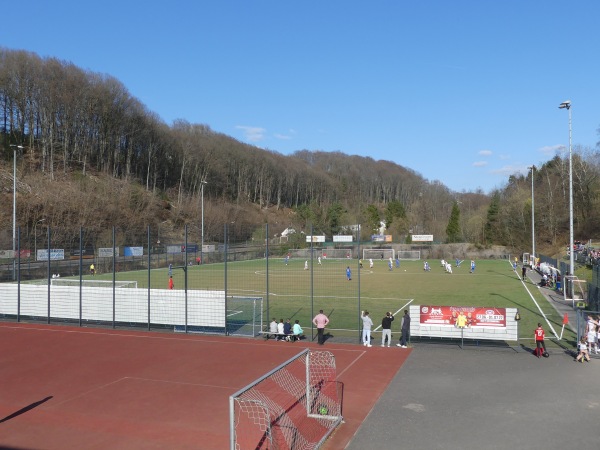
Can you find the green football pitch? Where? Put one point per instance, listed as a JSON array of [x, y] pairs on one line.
[[298, 294]]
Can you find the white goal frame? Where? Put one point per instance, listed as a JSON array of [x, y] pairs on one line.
[[295, 405], [409, 255], [375, 253]]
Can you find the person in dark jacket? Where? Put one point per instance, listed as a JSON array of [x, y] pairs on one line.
[[405, 329], [386, 328]]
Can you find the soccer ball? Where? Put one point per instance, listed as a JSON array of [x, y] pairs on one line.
[[405, 270], [323, 410]]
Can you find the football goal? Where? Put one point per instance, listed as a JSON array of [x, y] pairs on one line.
[[335, 253], [92, 283], [379, 253], [295, 405], [410, 255]]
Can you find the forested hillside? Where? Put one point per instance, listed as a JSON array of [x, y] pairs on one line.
[[94, 156]]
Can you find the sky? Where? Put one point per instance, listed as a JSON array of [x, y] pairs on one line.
[[464, 92]]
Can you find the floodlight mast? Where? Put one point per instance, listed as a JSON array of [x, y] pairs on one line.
[[14, 230], [567, 105], [532, 168]]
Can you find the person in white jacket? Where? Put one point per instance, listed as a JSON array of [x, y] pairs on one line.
[[367, 325]]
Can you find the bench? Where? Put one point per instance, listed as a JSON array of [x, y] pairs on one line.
[[286, 337]]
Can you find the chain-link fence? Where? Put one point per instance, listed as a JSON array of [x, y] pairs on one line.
[[233, 283]]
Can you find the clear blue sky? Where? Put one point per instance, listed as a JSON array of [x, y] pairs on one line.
[[461, 91]]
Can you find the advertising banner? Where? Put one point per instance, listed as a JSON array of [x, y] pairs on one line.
[[133, 251], [6, 254], [421, 237], [56, 254], [475, 316], [310, 238], [381, 237], [107, 252], [342, 238]]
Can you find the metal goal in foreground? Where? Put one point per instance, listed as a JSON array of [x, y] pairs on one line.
[[294, 406]]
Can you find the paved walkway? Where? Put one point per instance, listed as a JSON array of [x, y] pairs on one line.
[[449, 398]]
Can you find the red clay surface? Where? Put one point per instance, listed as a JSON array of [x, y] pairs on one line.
[[65, 387]]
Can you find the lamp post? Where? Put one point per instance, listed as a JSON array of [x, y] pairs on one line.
[[203, 183], [567, 105], [532, 168], [14, 231]]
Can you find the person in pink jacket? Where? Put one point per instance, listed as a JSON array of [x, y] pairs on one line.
[[320, 321]]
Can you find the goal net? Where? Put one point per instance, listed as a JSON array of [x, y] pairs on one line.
[[335, 253], [295, 405], [379, 253], [92, 283], [411, 255]]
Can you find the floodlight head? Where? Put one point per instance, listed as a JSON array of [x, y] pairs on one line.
[[566, 104]]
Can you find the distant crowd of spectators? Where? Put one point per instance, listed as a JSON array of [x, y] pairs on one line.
[[585, 254]]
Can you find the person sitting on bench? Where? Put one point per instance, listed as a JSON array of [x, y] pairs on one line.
[[297, 330], [273, 328], [287, 330]]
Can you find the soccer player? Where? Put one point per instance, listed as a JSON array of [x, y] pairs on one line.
[[348, 273], [171, 284], [306, 265], [287, 259], [472, 266], [370, 263], [319, 260], [539, 340], [397, 262], [390, 264]]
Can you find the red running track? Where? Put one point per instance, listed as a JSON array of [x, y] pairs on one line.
[[66, 387]]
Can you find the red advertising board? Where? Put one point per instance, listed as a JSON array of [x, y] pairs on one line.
[[476, 316]]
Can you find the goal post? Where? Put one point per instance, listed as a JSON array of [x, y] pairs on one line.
[[295, 405], [378, 253]]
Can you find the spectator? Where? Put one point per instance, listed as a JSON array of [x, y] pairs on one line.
[[367, 324], [297, 330], [591, 334], [280, 330], [583, 351], [386, 328], [287, 329], [273, 328], [321, 321], [405, 330]]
